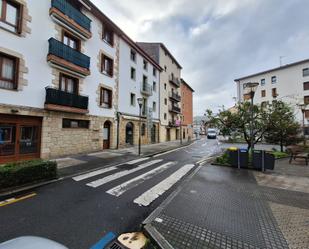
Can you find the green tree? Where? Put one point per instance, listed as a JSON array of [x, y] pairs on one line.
[[283, 129]]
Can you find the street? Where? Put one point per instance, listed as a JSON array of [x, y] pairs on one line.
[[79, 211]]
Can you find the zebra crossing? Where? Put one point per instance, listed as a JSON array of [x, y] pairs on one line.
[[153, 166]]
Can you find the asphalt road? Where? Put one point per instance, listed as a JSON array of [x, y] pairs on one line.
[[79, 212]]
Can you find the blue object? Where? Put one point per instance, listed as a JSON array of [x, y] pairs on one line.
[[104, 241]]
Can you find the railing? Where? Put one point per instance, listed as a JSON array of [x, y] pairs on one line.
[[67, 53], [66, 8], [175, 109], [146, 89], [175, 96], [174, 123], [174, 80], [57, 97]]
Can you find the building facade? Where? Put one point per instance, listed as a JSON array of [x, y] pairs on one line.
[[187, 110], [170, 97], [288, 83], [61, 79]]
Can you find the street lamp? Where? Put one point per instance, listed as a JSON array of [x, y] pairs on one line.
[[303, 110], [251, 87], [140, 104]]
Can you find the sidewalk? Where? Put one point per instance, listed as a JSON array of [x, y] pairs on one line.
[[222, 207], [76, 164]]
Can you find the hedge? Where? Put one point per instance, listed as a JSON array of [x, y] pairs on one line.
[[20, 173]]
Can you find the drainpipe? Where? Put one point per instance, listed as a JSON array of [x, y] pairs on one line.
[[118, 127]]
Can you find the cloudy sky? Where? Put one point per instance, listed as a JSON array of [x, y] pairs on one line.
[[217, 41]]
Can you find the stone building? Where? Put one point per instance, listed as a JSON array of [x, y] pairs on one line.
[[60, 78]]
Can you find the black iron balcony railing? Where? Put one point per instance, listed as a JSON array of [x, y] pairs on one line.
[[57, 97], [146, 89], [174, 81], [67, 53], [66, 8], [175, 109], [175, 96]]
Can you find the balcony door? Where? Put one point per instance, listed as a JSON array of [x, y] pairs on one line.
[[71, 41], [19, 138], [68, 84]]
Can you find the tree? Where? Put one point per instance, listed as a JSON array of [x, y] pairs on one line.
[[283, 128], [275, 122]]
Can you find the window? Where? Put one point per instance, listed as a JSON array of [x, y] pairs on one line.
[[145, 65], [306, 100], [306, 72], [263, 93], [307, 114], [154, 72], [8, 72], [164, 86], [106, 98], [165, 68], [154, 86], [133, 55], [165, 116], [133, 99], [10, 15], [273, 79], [247, 96], [108, 36], [154, 106], [264, 104], [263, 82], [165, 101], [143, 129], [145, 79], [133, 73], [107, 65], [71, 41], [68, 84], [306, 86], [274, 92], [74, 123]]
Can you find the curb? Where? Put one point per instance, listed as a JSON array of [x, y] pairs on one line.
[[146, 224], [16, 191]]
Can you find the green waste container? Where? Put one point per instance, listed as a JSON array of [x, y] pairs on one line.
[[243, 158], [233, 156]]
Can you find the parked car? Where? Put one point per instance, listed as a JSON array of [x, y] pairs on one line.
[[31, 242], [211, 133]]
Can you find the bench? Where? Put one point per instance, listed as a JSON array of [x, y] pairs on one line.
[[298, 152]]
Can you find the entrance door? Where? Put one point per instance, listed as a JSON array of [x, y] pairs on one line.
[[106, 135], [168, 134], [19, 138], [153, 134], [129, 133]]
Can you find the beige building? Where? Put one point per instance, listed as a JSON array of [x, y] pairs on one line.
[[170, 96]]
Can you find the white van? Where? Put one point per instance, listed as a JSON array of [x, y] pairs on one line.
[[211, 133]]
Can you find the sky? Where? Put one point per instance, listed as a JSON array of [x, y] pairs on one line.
[[217, 41]]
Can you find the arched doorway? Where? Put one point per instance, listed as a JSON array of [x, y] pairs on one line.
[[153, 134], [107, 135], [129, 133]]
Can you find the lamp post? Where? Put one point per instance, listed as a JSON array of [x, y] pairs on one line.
[[251, 87], [303, 110], [140, 104]]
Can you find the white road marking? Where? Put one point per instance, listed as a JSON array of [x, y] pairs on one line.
[[137, 160], [115, 176], [170, 151], [93, 173], [120, 189], [149, 196]]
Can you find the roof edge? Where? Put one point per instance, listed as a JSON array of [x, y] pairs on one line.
[[185, 83]]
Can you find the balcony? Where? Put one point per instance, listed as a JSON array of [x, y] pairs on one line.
[[146, 89], [175, 96], [175, 109], [174, 81], [57, 100], [174, 123], [63, 13], [61, 55]]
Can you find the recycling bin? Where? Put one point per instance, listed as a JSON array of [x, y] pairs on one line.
[[261, 158], [269, 161], [233, 156], [243, 158], [257, 160]]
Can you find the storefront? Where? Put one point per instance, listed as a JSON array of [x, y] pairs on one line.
[[20, 137]]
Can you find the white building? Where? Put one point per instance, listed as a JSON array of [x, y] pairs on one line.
[[170, 96], [61, 78], [289, 83]]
